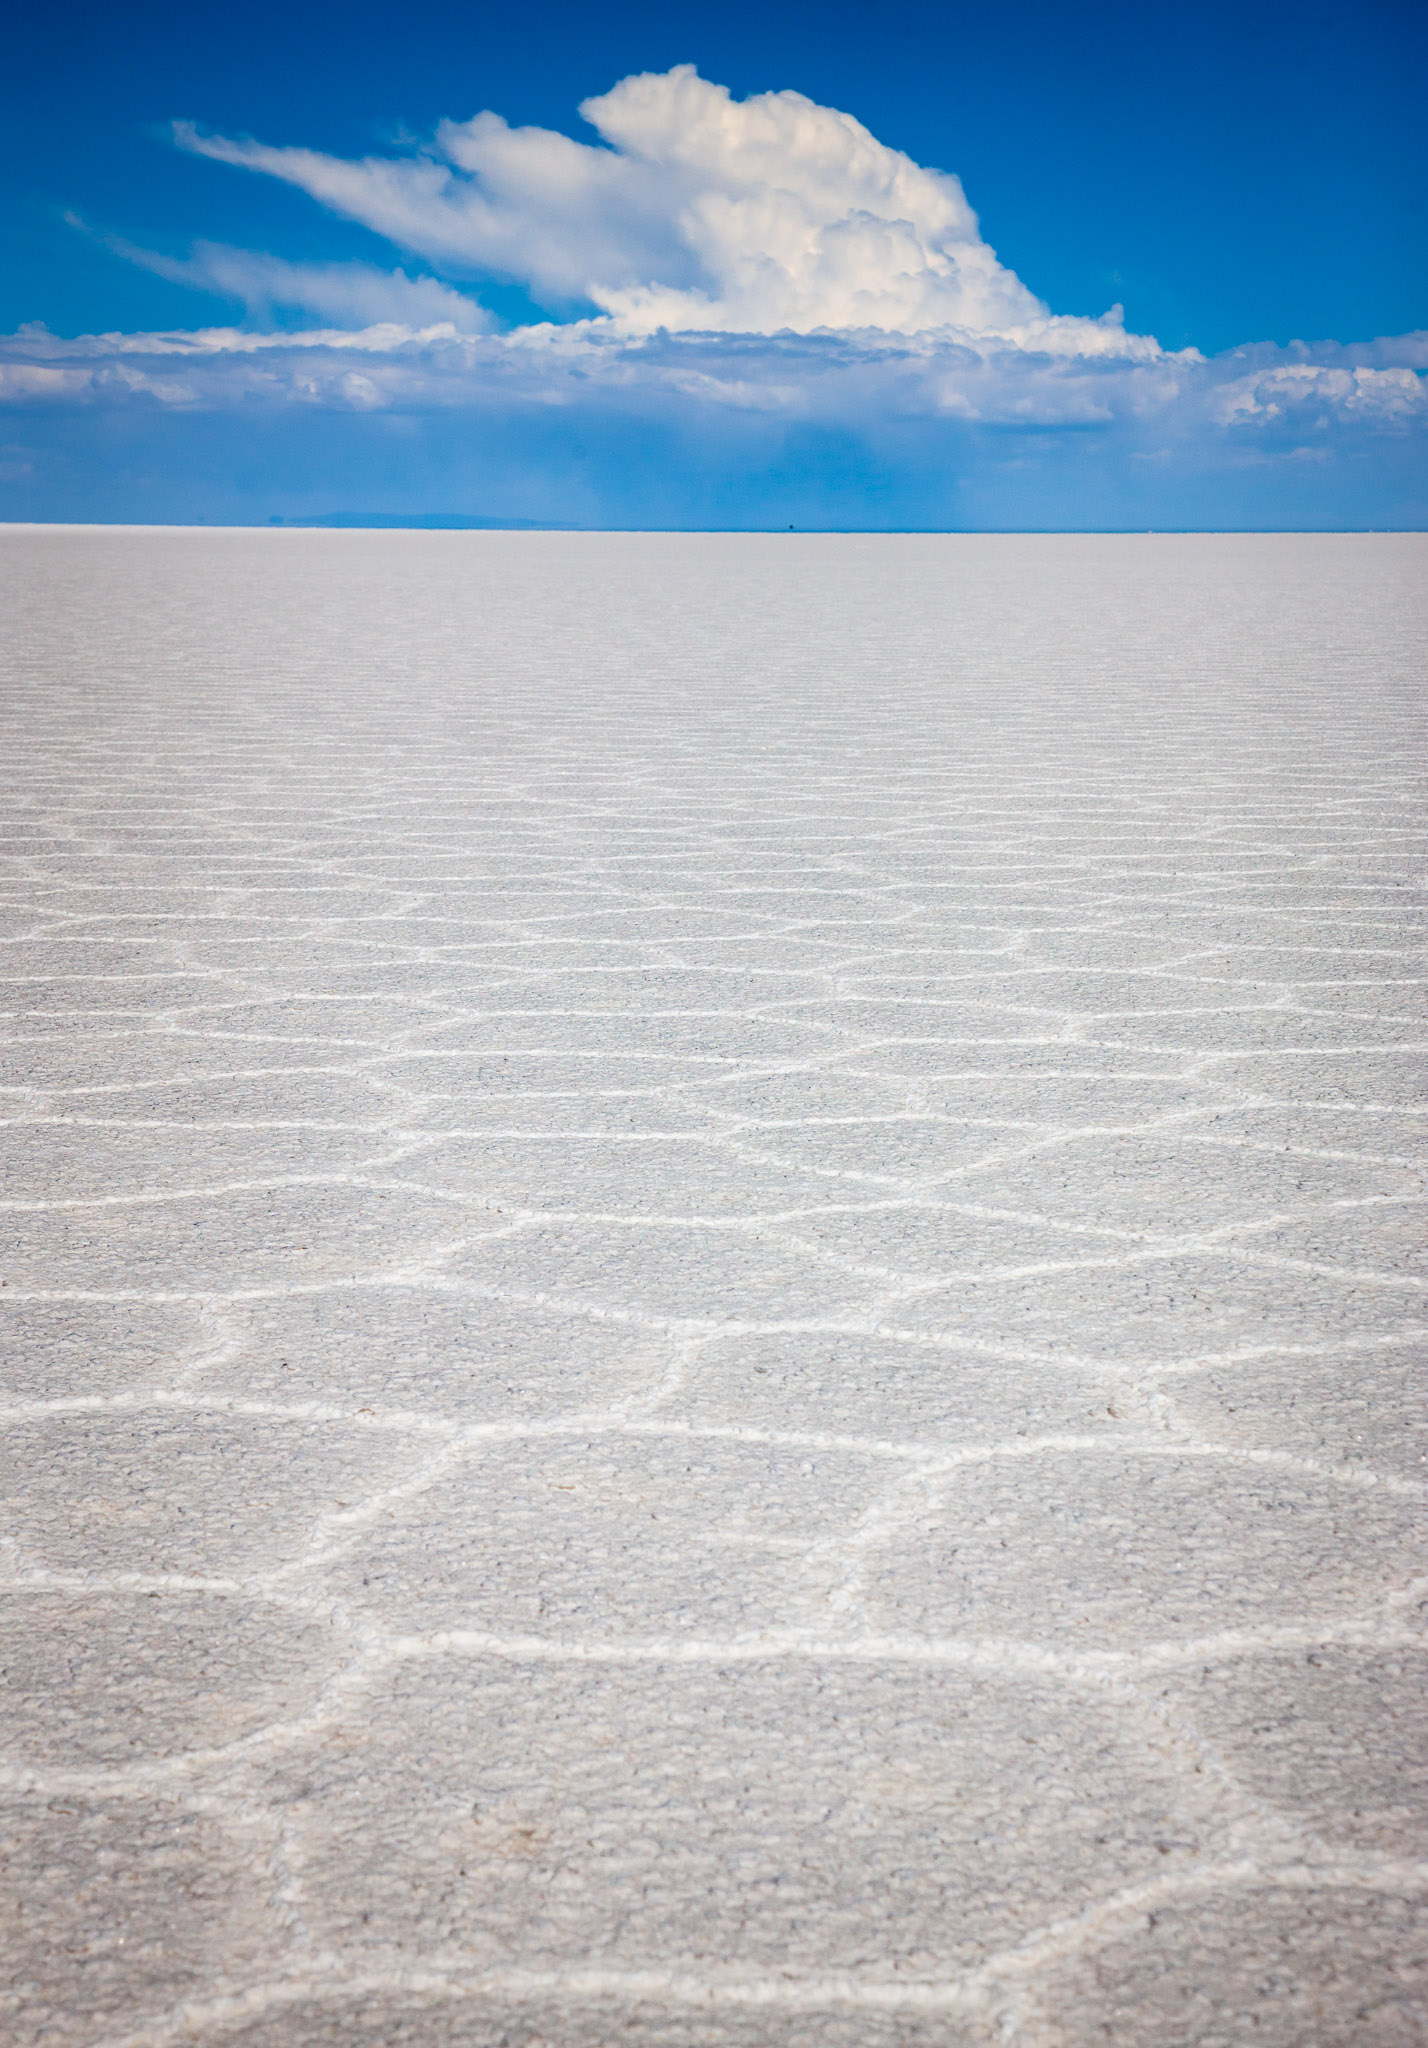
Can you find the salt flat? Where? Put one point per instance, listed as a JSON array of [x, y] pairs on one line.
[[714, 1290]]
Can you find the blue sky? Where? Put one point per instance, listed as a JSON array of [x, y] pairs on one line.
[[745, 288]]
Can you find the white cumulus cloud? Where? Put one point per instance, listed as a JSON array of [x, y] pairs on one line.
[[697, 212], [1308, 395]]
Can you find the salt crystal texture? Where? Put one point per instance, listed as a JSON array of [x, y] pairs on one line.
[[714, 1290]]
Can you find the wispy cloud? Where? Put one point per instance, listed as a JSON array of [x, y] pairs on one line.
[[346, 294]]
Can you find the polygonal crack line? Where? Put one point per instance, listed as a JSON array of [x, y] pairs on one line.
[[1118, 1677], [1134, 1246], [1253, 1354], [1005, 1984], [404, 1146], [1146, 1392], [139, 1198], [227, 1339], [1211, 1790], [669, 1384], [1219, 1142], [1348, 1277], [372, 1651], [914, 1495], [335, 1531], [196, 1077], [933, 1457], [1017, 1969]]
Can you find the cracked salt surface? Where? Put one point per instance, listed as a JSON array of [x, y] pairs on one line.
[[713, 1304]]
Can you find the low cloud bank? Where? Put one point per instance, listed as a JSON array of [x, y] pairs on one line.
[[858, 377]]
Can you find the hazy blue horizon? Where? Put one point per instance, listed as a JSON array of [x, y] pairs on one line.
[[1053, 271]]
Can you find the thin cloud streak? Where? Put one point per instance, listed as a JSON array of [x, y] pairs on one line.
[[349, 294]]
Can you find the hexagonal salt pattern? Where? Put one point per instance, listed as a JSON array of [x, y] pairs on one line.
[[712, 1291]]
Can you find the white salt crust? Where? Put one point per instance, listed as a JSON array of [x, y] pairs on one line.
[[713, 1300]]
